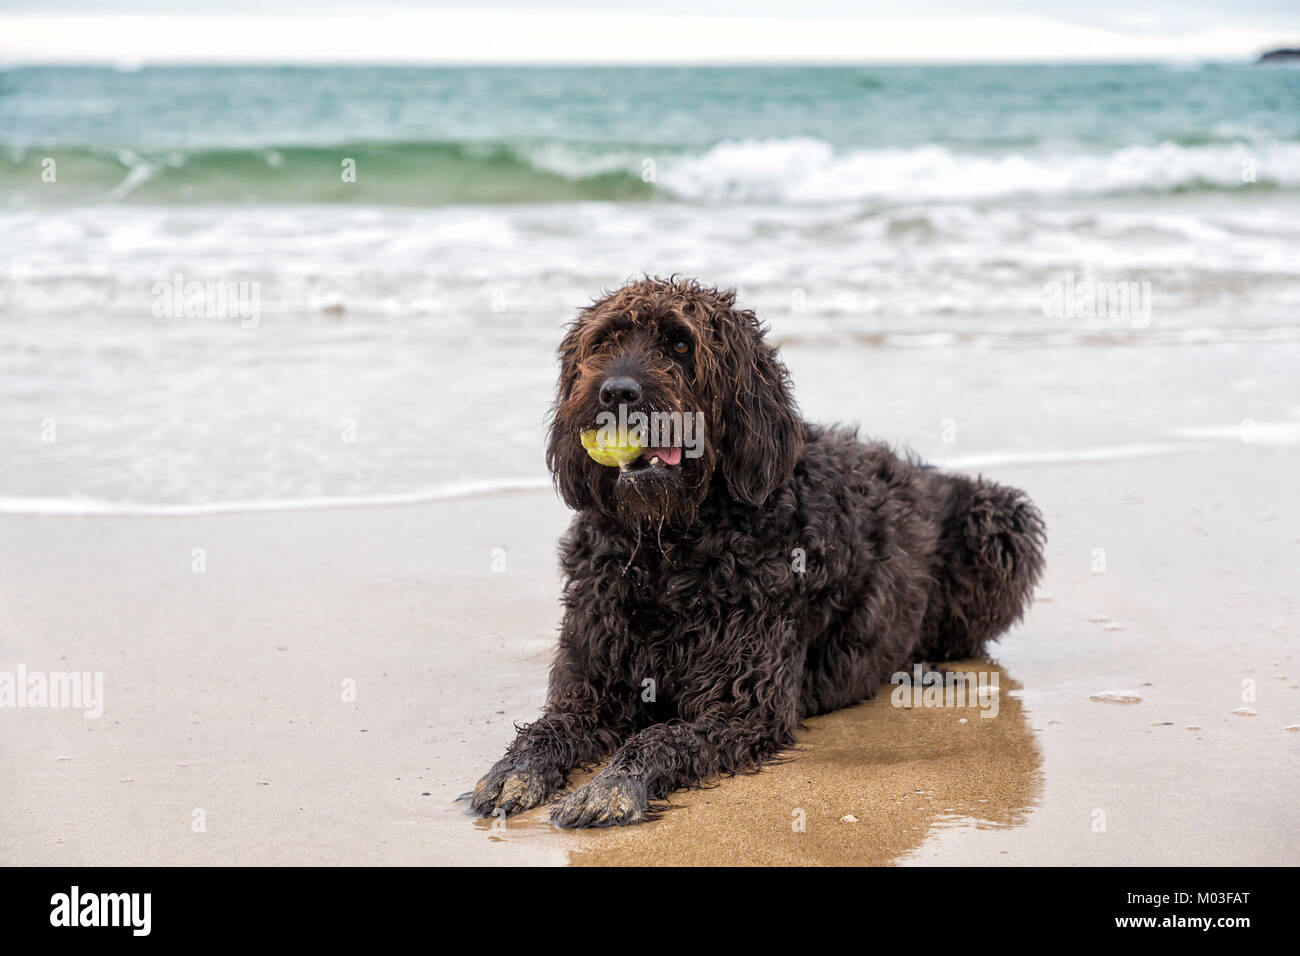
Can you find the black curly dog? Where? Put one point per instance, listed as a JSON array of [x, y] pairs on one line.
[[711, 602]]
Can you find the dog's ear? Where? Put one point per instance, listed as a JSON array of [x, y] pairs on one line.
[[572, 480], [564, 457], [762, 438]]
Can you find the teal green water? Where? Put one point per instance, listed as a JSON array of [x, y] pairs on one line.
[[904, 231], [438, 136]]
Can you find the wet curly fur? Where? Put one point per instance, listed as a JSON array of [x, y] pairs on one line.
[[786, 571]]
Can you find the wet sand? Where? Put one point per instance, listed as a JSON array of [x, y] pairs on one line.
[[227, 692]]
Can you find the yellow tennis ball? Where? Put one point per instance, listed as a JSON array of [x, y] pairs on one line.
[[608, 452]]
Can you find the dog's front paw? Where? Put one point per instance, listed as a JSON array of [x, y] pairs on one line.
[[604, 801], [505, 788]]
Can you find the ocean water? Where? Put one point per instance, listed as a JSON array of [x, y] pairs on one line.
[[941, 252]]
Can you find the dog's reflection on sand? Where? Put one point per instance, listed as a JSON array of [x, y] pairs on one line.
[[900, 771]]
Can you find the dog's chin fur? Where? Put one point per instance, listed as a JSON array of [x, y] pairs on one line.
[[798, 567], [663, 500], [653, 499], [666, 500]]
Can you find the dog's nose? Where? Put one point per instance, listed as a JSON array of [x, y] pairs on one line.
[[620, 391]]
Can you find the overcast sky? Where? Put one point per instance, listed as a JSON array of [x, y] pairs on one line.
[[637, 31]]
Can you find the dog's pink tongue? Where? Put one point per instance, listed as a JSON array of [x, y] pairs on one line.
[[669, 456]]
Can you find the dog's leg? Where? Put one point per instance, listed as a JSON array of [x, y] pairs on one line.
[[667, 757], [732, 722], [756, 721], [538, 763], [581, 725]]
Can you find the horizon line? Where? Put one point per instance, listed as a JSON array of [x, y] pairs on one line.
[[130, 65]]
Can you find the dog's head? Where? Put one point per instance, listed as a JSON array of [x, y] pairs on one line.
[[692, 377]]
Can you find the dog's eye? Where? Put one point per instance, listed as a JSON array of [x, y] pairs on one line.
[[682, 347]]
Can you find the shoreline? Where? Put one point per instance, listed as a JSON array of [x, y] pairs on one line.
[[481, 488]]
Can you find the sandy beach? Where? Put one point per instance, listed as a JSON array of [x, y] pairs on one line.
[[332, 678]]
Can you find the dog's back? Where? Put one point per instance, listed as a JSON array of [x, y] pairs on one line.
[[906, 563]]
